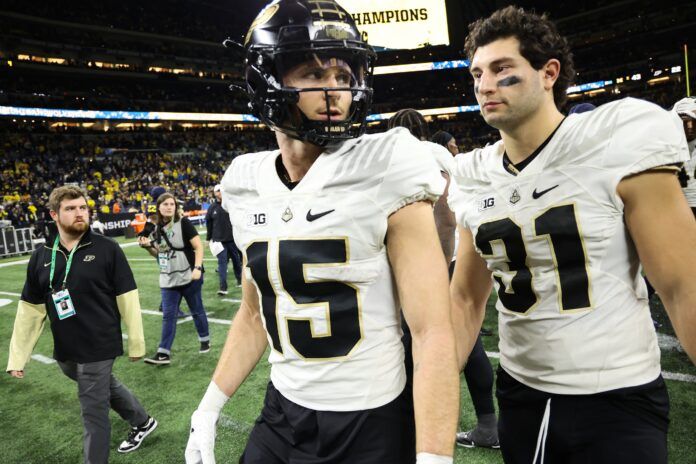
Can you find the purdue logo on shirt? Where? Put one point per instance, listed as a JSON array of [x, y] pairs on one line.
[[89, 258]]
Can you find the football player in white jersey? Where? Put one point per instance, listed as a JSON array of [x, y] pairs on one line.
[[557, 215], [686, 109], [337, 234]]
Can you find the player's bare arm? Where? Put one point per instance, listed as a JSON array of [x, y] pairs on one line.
[[421, 278], [446, 223], [245, 344], [664, 231], [469, 291]]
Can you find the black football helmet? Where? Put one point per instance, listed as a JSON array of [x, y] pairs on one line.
[[289, 32]]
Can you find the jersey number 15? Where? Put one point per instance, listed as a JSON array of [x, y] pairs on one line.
[[339, 299]]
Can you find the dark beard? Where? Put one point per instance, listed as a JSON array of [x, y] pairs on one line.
[[77, 228]]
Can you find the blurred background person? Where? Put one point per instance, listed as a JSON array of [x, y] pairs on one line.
[[447, 140], [219, 233], [179, 252], [686, 109]]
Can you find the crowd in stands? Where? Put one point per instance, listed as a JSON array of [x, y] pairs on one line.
[[119, 169], [138, 95]]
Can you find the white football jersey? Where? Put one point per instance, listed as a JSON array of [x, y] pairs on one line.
[[443, 157], [573, 309], [690, 167], [318, 258]]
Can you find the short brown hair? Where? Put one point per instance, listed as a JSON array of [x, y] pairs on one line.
[[539, 40], [160, 200], [66, 192]]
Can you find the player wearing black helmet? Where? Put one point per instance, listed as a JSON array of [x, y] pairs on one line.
[[321, 35], [337, 233]]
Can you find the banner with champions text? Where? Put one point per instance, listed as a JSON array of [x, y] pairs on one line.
[[400, 24]]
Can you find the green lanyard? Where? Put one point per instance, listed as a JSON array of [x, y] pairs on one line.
[[53, 264]]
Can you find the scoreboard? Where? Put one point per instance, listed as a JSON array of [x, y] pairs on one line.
[[400, 24]]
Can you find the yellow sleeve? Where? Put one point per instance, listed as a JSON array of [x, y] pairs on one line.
[[129, 307], [28, 325]]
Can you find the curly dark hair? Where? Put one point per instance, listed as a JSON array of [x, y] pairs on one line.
[[539, 40]]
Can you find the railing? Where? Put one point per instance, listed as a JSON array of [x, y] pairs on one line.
[[15, 241]]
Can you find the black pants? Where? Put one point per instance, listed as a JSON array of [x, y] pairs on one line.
[[625, 426], [478, 373], [287, 433]]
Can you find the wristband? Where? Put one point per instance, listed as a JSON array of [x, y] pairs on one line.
[[214, 399], [429, 458]]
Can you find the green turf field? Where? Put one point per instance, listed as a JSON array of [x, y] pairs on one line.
[[41, 418]]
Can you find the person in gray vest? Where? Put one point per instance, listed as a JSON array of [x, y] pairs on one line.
[[179, 252], [219, 229]]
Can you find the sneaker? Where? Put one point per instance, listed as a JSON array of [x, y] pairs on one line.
[[471, 439], [137, 435], [161, 359], [222, 292], [205, 347]]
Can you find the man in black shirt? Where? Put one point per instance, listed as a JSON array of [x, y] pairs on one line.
[[219, 229], [83, 283]]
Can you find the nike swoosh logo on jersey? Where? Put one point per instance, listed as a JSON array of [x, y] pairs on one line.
[[47, 264], [313, 217], [536, 194]]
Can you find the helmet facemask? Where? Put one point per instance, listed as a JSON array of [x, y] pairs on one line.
[[295, 36]]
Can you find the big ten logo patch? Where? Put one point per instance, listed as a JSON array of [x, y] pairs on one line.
[[486, 203], [256, 219]]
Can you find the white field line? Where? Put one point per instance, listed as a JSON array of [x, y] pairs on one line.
[[13, 263], [679, 377], [42, 359], [10, 294], [190, 318], [231, 300]]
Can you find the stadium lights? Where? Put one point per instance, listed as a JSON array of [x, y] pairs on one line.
[[590, 88], [416, 67], [657, 80]]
